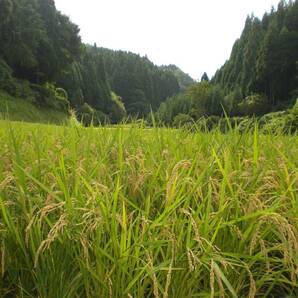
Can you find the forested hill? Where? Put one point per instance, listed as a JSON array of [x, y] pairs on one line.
[[184, 80], [141, 84], [260, 79], [264, 59], [43, 60]]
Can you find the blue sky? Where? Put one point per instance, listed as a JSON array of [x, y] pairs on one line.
[[195, 35]]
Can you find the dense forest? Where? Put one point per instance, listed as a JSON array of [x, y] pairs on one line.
[[42, 59], [260, 77], [141, 84], [264, 59], [184, 80]]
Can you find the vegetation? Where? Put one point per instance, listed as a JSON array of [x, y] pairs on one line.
[[201, 99], [141, 85], [17, 109], [184, 80], [131, 212], [260, 77], [276, 122], [208, 208], [42, 47], [46, 63], [264, 59]]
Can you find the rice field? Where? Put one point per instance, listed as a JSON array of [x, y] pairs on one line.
[[133, 212]]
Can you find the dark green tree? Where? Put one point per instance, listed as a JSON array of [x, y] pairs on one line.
[[205, 77], [263, 59]]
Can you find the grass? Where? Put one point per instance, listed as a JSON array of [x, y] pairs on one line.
[[17, 109], [127, 212]]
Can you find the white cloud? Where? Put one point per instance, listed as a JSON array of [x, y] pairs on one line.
[[195, 35]]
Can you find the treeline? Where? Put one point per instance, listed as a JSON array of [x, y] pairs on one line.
[[264, 60], [260, 77], [184, 80], [43, 60], [37, 44], [141, 84]]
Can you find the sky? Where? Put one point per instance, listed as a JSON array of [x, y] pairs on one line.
[[195, 35]]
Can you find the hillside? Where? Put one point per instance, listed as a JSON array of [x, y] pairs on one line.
[[184, 80], [141, 84], [264, 60], [47, 64], [259, 78], [19, 109]]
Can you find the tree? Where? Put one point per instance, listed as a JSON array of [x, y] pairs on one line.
[[141, 84], [200, 95], [263, 59], [204, 77], [62, 45]]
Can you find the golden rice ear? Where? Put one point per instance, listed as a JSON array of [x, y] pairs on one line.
[[212, 280], [113, 212], [252, 284], [169, 274], [154, 278]]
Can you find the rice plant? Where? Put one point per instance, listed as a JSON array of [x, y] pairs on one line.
[[134, 212]]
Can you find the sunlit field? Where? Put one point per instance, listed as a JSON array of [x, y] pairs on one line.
[[133, 212]]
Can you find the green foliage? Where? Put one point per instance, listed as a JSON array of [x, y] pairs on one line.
[[86, 114], [182, 120], [11, 85], [201, 99], [295, 108], [55, 97], [184, 80], [200, 94], [7, 83], [205, 77], [89, 116], [5, 73], [263, 59], [19, 109], [141, 85], [254, 105], [130, 212], [37, 41], [48, 95], [118, 111], [43, 60], [206, 98], [85, 82], [232, 100], [279, 122], [43, 95], [6, 9], [37, 44], [173, 106]]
